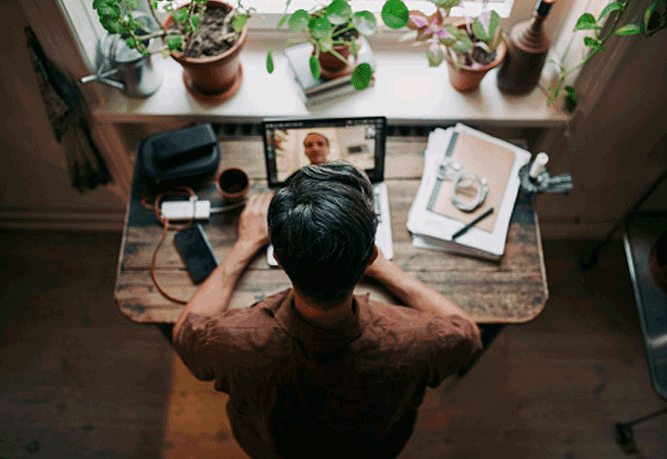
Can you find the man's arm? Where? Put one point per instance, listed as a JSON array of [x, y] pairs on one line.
[[214, 294], [412, 292]]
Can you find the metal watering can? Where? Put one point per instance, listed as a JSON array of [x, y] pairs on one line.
[[138, 76]]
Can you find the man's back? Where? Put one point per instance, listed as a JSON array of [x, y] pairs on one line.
[[300, 390], [316, 371]]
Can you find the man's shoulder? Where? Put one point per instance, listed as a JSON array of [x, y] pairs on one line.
[[399, 317], [415, 325], [236, 320]]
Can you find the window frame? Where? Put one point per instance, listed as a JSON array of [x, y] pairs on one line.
[[270, 12], [88, 31]]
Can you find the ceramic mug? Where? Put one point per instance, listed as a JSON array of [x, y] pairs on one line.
[[233, 183]]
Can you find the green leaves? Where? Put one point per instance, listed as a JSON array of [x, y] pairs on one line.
[[298, 21], [486, 25], [395, 14], [361, 76], [331, 25], [282, 21], [269, 61], [339, 12], [614, 6], [446, 4], [570, 99], [435, 55], [461, 42], [173, 42], [593, 43], [364, 22], [630, 29], [320, 27], [315, 67], [586, 22], [239, 22], [180, 14], [651, 15], [109, 13]]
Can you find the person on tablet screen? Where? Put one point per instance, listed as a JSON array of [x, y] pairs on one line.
[[317, 371], [316, 147]]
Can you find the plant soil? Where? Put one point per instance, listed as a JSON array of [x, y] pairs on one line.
[[348, 35], [210, 39], [482, 57]]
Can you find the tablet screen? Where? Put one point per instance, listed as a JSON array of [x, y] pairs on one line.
[[290, 144]]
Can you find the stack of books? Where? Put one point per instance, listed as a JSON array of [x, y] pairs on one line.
[[434, 220], [314, 91]]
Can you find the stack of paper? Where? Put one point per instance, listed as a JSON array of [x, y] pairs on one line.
[[434, 218]]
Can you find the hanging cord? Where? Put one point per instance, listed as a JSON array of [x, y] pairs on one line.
[[178, 191], [155, 207]]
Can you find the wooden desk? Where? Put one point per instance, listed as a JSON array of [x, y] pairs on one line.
[[513, 290]]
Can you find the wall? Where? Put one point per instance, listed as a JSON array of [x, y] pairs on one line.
[[34, 180], [616, 149], [617, 146]]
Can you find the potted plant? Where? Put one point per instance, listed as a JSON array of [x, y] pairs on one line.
[[470, 47], [204, 36], [652, 21], [334, 31]]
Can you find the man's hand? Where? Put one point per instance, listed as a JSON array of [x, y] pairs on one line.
[[253, 226], [214, 294], [378, 264]]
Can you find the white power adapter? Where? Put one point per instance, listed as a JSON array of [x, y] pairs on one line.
[[182, 210]]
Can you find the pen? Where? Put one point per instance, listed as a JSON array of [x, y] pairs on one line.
[[472, 223]]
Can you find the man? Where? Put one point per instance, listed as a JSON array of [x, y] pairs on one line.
[[316, 371], [316, 147]]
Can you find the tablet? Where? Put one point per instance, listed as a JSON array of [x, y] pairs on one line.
[[291, 143]]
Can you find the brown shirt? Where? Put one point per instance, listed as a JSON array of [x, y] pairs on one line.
[[298, 390]]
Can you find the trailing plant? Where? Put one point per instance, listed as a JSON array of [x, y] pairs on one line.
[[654, 20], [473, 46], [116, 16], [336, 24]]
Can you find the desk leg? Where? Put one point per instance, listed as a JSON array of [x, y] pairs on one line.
[[489, 333], [166, 330]]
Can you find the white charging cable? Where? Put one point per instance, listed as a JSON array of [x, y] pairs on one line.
[[183, 210]]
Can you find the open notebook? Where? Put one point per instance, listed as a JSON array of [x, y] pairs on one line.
[[360, 141]]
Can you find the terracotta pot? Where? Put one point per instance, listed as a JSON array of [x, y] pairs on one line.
[[332, 66], [233, 183], [467, 79], [213, 76], [330, 62]]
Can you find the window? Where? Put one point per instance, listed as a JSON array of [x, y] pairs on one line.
[[272, 10], [83, 19]]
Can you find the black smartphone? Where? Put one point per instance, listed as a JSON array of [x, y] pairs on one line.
[[194, 247]]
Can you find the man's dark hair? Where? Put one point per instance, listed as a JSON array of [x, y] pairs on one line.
[[322, 227]]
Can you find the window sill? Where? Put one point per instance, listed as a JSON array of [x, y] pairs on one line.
[[406, 91]]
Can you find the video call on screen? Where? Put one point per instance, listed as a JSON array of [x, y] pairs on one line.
[[355, 142]]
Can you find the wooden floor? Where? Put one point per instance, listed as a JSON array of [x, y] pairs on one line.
[[77, 379]]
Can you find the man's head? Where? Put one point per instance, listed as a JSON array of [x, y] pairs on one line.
[[317, 147], [322, 227]]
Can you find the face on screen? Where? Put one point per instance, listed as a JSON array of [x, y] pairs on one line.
[[295, 148]]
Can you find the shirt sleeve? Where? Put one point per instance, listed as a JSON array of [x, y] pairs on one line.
[[455, 343], [193, 345]]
